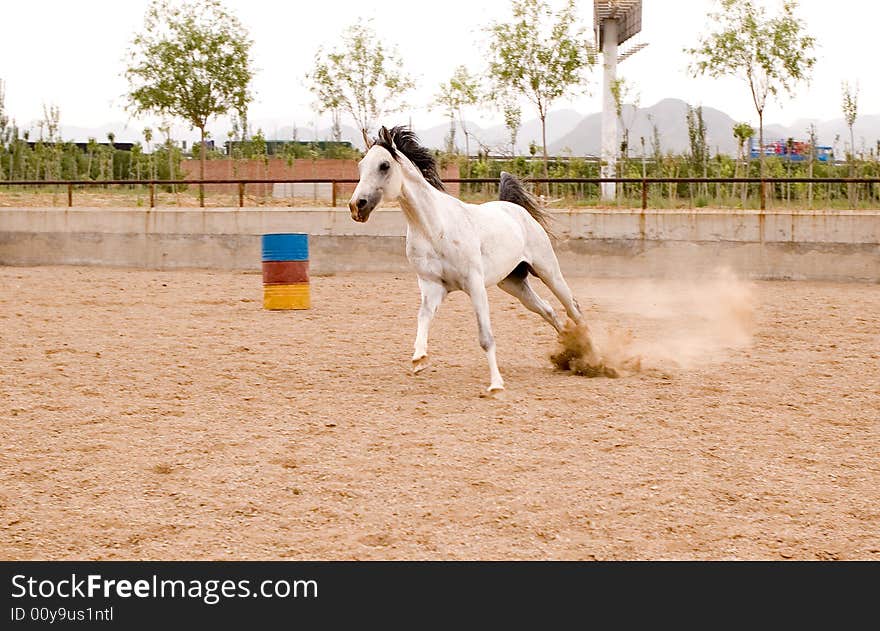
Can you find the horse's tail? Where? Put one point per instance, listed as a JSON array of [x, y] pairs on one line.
[[511, 189]]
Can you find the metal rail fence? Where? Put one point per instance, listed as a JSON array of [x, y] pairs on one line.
[[638, 183]]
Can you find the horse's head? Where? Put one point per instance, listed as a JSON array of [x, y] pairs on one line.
[[380, 178]]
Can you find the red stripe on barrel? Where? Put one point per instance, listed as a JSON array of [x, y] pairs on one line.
[[285, 272]]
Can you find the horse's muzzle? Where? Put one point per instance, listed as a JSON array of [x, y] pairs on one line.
[[361, 207]]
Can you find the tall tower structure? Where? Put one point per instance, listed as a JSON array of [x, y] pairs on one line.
[[614, 22]]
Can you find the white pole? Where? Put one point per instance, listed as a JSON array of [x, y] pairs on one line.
[[609, 110]]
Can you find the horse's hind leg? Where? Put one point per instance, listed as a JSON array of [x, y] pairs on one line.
[[546, 267], [518, 287], [432, 295]]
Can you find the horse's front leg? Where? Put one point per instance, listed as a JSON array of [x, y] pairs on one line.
[[480, 299], [433, 294]]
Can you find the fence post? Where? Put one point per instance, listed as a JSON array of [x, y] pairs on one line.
[[333, 193], [69, 195], [763, 195], [152, 194], [644, 194], [241, 194]]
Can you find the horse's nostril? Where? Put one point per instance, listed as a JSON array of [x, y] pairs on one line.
[[361, 203]]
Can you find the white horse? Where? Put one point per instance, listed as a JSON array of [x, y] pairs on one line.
[[454, 245]]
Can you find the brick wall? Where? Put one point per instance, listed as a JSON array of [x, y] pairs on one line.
[[279, 169]]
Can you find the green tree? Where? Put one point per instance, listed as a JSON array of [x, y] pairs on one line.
[[656, 145], [336, 125], [512, 120], [622, 91], [769, 53], [539, 55], [5, 131], [148, 138], [4, 118], [814, 140], [362, 77], [111, 154], [191, 61], [850, 106], [165, 130], [134, 165], [742, 132], [461, 91], [91, 150], [51, 122], [699, 149]]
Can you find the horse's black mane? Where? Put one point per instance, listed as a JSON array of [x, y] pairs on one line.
[[404, 140]]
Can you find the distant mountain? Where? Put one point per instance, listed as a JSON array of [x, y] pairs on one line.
[[669, 115], [559, 123], [497, 137]]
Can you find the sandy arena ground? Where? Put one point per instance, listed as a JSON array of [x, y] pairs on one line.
[[165, 415]]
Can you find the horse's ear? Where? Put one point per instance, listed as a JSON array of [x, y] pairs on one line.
[[385, 136]]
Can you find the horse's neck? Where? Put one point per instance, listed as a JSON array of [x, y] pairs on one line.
[[424, 207]]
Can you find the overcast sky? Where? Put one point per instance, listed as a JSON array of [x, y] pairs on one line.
[[71, 54]]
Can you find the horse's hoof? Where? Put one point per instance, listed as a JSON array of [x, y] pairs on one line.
[[420, 364], [493, 392]]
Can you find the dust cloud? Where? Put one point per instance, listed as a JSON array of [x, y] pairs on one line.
[[680, 325]]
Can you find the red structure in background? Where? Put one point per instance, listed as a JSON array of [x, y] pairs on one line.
[[280, 169]]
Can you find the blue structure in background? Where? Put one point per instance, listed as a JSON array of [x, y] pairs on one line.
[[800, 151]]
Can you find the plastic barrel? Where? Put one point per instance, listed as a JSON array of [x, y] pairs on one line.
[[286, 247], [286, 296], [286, 271]]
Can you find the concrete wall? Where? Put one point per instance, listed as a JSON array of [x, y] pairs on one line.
[[818, 245]]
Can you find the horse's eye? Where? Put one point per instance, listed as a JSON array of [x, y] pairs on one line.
[[384, 166]]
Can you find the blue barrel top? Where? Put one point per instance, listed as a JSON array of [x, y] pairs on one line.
[[286, 247]]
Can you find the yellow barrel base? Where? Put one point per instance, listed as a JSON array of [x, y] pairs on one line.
[[295, 296]]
